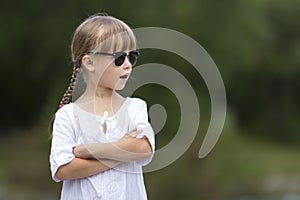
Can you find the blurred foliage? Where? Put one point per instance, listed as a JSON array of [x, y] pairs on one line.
[[255, 44]]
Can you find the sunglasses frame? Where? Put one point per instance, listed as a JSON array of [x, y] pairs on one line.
[[120, 54]]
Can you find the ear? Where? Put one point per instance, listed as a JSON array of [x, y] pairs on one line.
[[87, 62]]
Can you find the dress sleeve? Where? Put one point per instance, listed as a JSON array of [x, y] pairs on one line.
[[63, 141], [139, 120]]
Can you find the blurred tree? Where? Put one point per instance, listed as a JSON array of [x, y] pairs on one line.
[[265, 95], [254, 43]]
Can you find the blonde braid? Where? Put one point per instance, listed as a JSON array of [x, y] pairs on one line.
[[68, 94]]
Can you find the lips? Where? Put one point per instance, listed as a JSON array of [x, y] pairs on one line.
[[124, 76]]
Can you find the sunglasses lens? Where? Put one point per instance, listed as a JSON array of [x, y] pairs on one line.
[[133, 57], [119, 59]]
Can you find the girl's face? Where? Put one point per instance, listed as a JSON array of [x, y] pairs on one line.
[[112, 76]]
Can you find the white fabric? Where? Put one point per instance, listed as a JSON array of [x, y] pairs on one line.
[[73, 126]]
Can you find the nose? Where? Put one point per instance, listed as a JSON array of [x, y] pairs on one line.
[[127, 65]]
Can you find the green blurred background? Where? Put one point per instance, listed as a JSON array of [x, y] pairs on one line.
[[256, 46]]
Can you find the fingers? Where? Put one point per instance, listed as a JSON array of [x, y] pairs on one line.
[[135, 132]]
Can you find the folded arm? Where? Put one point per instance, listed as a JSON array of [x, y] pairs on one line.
[[80, 168], [126, 149]]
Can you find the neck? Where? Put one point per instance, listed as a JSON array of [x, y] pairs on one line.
[[97, 94], [100, 100], [103, 94]]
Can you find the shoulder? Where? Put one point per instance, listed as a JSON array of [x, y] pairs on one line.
[[135, 102], [65, 111], [64, 122]]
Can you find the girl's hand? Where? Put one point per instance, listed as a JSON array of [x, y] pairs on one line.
[[132, 134], [81, 152]]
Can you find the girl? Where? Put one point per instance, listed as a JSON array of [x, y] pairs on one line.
[[101, 141]]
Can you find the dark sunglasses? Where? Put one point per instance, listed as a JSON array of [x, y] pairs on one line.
[[121, 56]]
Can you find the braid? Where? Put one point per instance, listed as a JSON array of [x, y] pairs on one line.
[[68, 94]]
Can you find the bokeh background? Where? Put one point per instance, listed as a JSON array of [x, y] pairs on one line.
[[256, 46]]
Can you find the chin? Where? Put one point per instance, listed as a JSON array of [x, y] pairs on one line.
[[120, 87]]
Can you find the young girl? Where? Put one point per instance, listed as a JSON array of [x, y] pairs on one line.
[[101, 141]]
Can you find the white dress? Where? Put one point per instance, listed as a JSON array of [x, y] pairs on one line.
[[73, 126]]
